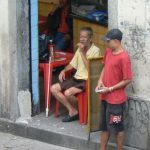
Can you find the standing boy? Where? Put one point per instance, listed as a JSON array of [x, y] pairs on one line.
[[115, 76]]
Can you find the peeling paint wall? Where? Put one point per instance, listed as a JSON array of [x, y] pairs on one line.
[[4, 60], [22, 13], [14, 56], [134, 20], [113, 13]]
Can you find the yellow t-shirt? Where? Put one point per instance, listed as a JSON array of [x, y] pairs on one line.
[[78, 64]]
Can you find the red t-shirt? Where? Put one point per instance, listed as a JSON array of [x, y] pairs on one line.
[[117, 68]]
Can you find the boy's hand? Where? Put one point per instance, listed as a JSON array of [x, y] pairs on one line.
[[99, 85], [105, 90]]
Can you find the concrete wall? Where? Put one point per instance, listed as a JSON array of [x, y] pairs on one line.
[[4, 60], [133, 18], [15, 56]]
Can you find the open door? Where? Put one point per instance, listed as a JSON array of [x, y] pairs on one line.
[[94, 120]]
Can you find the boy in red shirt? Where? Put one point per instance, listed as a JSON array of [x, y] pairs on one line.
[[115, 76]]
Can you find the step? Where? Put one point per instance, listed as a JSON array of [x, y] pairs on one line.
[[51, 130]]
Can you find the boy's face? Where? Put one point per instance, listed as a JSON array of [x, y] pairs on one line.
[[113, 44]]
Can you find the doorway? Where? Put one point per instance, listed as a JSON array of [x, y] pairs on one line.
[[39, 11]]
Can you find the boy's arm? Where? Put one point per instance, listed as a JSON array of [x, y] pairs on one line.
[[120, 84]]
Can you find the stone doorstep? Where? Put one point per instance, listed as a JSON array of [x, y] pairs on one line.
[[51, 137]]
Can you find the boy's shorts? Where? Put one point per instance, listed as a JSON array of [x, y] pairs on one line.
[[112, 117]]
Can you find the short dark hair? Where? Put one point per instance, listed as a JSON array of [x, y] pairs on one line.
[[88, 30]]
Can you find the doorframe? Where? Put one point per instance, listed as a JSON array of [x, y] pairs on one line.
[[33, 18]]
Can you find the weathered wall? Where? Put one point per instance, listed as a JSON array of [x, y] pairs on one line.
[[4, 60], [14, 56], [22, 13], [133, 18], [113, 14]]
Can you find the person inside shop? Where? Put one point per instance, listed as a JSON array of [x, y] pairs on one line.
[[59, 25]]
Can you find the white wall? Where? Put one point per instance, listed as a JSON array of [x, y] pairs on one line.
[[4, 57], [133, 18], [14, 57]]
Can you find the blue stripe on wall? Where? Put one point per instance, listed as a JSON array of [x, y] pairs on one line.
[[34, 51]]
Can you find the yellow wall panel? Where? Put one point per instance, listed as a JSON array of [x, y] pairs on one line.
[[44, 8]]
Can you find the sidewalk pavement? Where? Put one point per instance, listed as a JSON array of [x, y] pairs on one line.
[[12, 142]]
